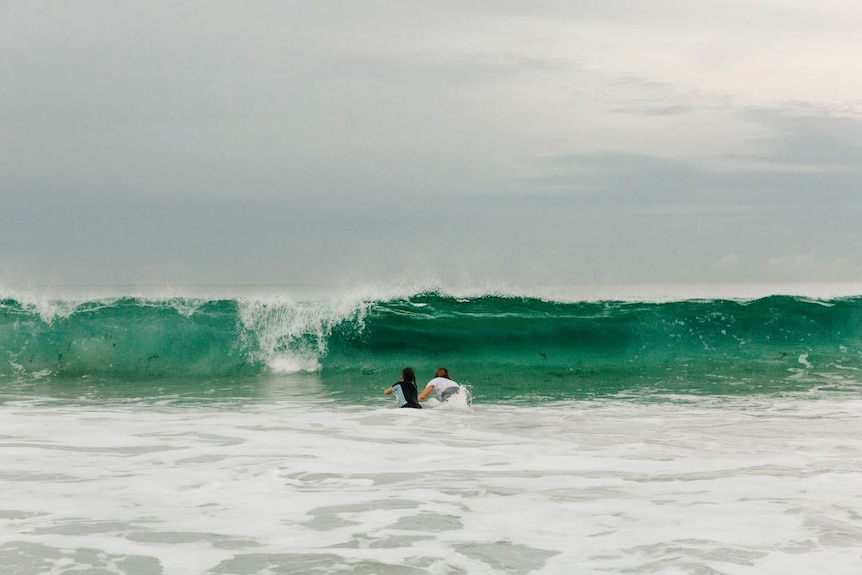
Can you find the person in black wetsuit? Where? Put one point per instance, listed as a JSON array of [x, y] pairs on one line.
[[405, 390]]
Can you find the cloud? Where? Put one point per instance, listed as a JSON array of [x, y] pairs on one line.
[[616, 141], [810, 139], [822, 267]]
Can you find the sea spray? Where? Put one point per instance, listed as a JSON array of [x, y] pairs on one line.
[[289, 336]]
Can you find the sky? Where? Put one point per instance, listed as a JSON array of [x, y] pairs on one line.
[[564, 142]]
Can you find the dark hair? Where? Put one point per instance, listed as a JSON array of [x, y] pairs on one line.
[[442, 372], [407, 374]]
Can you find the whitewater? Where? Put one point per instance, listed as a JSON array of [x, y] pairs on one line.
[[232, 432]]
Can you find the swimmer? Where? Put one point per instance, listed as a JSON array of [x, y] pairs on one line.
[[405, 390], [444, 387]]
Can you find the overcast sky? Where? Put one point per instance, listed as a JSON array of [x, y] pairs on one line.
[[612, 141]]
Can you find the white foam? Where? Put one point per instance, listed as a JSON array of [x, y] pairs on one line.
[[291, 336], [461, 401], [724, 485], [284, 364]]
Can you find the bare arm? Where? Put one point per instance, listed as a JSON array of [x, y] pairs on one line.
[[387, 391], [426, 392]]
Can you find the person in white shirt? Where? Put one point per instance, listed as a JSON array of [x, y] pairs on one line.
[[443, 387]]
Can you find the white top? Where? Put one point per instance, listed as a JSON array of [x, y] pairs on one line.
[[441, 384]]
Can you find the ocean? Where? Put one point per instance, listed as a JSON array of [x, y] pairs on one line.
[[244, 431]]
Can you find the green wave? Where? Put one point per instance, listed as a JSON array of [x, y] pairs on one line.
[[512, 346], [128, 337], [535, 347]]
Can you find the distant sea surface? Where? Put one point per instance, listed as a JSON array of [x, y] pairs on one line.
[[244, 431]]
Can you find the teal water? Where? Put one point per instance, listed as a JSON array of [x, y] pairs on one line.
[[505, 348], [240, 434]]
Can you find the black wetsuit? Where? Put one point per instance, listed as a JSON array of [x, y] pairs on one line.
[[407, 394]]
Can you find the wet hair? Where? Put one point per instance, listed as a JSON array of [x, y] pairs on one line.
[[407, 374], [442, 372]]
